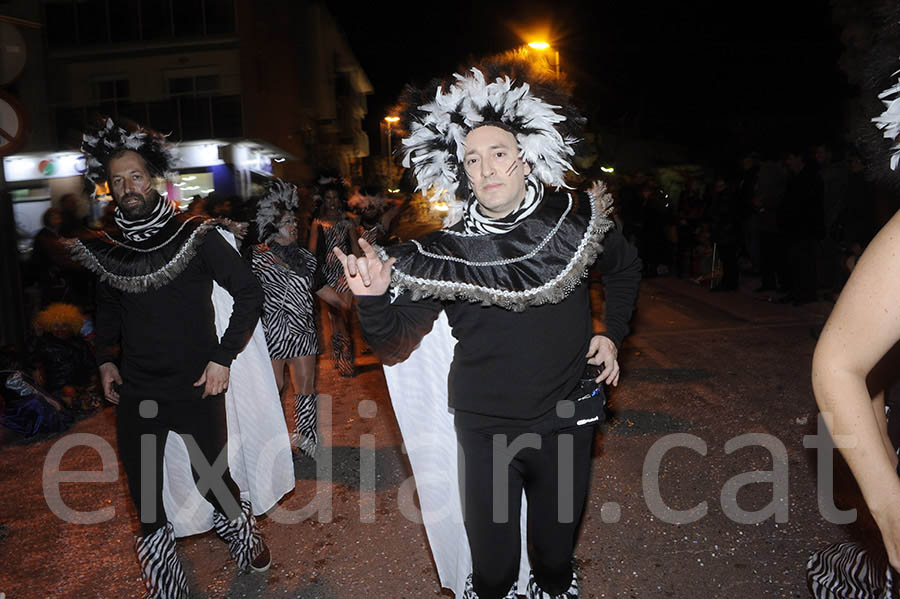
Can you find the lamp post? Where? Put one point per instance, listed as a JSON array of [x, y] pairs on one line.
[[390, 120], [545, 46]]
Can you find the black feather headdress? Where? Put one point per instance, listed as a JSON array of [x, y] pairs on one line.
[[108, 139], [279, 197]]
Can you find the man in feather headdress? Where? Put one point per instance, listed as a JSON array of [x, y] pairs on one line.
[[507, 278], [158, 352]]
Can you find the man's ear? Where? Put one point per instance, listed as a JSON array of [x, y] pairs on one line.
[[527, 168]]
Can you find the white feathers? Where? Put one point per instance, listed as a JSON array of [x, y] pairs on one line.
[[435, 145], [101, 144], [134, 142], [889, 120]]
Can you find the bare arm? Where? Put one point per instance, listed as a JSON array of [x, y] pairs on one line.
[[313, 238], [881, 418], [333, 298], [354, 240], [864, 325]]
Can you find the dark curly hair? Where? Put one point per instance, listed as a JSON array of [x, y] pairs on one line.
[[106, 140]]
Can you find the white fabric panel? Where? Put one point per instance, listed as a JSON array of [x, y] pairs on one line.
[[259, 448], [418, 388]]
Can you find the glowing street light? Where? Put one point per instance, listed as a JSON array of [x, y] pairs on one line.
[[541, 45], [390, 120]]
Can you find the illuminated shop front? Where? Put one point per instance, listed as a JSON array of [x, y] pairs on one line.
[[37, 181]]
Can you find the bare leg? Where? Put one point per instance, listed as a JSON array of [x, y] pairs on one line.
[[303, 374], [341, 342], [278, 367]]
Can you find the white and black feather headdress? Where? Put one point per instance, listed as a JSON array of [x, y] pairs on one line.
[[279, 197], [508, 93], [889, 120], [107, 139]]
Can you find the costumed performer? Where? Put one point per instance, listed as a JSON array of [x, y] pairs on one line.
[[862, 328], [509, 278], [332, 228], [161, 360], [290, 275]]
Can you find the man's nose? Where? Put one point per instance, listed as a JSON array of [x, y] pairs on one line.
[[487, 168]]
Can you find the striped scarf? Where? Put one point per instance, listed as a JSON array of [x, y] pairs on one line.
[[474, 222], [147, 227]]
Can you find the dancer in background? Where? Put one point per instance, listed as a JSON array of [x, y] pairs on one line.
[[290, 276], [332, 228]]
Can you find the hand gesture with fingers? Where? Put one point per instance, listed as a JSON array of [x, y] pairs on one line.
[[367, 275]]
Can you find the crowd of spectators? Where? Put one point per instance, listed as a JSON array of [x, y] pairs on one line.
[[794, 225]]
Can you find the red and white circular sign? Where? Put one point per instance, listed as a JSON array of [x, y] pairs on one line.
[[13, 124]]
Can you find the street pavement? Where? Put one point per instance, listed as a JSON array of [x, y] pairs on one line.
[[713, 404]]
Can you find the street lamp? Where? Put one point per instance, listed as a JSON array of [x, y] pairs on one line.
[[540, 45], [390, 120]]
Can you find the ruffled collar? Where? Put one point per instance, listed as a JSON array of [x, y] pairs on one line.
[[540, 261], [143, 265]]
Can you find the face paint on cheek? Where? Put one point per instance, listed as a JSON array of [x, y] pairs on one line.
[[512, 168]]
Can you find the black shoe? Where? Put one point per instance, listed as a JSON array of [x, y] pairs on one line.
[[263, 561]]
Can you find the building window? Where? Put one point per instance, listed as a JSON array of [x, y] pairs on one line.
[[193, 85], [92, 21], [200, 108], [124, 19], [188, 17], [82, 22], [60, 20], [219, 16], [111, 94]]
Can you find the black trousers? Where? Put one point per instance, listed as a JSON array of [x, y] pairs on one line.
[[142, 427], [553, 468]]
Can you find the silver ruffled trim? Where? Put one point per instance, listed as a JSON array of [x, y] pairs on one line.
[[551, 292], [140, 283]]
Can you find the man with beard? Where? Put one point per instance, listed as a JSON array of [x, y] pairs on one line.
[[158, 353]]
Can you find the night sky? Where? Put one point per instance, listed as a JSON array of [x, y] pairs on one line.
[[719, 79]]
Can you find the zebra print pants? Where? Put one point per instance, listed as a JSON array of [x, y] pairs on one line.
[[306, 419], [160, 568], [848, 571]]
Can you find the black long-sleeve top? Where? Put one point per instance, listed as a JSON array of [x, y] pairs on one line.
[[168, 335], [511, 364]]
